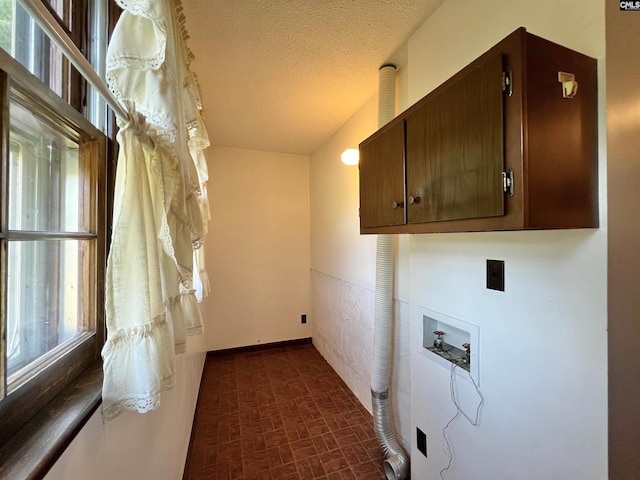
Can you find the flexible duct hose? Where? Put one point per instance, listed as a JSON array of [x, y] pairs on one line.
[[386, 94], [396, 464]]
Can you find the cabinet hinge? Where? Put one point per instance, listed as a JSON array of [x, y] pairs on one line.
[[507, 84], [507, 182]]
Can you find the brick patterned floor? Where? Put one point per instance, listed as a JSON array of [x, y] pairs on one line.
[[280, 414]]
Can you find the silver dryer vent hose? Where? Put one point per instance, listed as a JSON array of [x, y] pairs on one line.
[[396, 463]]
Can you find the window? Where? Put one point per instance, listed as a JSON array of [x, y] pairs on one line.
[[21, 37], [26, 42], [52, 242]]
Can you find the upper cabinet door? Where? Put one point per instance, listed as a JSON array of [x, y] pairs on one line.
[[382, 178], [455, 149]]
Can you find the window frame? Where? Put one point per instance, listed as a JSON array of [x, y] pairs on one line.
[[27, 400], [48, 61]]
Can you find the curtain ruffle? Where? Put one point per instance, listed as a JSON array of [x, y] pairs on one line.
[[138, 353], [129, 383], [160, 208]]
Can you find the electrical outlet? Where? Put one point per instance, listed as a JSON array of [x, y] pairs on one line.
[[495, 275], [303, 318], [422, 441]]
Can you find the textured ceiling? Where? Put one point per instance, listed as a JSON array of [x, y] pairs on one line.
[[283, 75]]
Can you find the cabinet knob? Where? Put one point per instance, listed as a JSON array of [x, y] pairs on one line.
[[399, 204], [413, 200]]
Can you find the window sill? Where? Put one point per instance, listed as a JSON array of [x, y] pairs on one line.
[[33, 450]]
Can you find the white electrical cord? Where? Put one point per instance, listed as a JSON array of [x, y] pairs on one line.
[[459, 411]]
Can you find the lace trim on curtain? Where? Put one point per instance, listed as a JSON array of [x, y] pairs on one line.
[[161, 204], [149, 9], [165, 124], [128, 387], [137, 403]]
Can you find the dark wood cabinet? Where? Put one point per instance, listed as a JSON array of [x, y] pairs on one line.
[[454, 149], [384, 175], [496, 147]]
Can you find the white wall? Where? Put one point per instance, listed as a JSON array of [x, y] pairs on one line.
[[343, 273], [257, 248], [337, 248], [150, 446], [542, 342], [543, 356]]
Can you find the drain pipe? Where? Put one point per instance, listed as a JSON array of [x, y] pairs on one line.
[[396, 463]]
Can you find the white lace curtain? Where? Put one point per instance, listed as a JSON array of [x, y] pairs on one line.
[[155, 270]]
